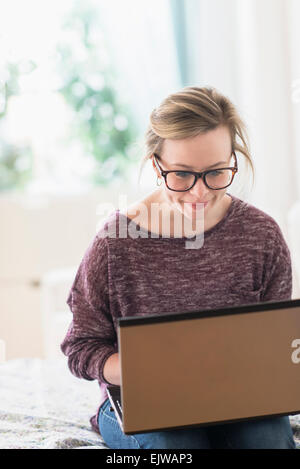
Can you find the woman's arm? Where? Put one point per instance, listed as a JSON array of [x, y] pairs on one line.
[[91, 338]]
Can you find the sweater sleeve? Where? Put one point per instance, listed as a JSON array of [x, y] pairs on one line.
[[91, 337], [278, 283]]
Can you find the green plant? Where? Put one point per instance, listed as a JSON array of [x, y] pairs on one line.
[[102, 124]]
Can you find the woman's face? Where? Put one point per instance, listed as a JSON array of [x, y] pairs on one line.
[[206, 151]]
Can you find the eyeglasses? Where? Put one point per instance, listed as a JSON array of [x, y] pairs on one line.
[[181, 181]]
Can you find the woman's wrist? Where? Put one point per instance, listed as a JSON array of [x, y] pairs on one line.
[[111, 369]]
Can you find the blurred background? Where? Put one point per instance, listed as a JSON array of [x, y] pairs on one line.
[[78, 81]]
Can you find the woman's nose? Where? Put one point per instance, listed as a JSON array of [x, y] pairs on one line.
[[200, 190]]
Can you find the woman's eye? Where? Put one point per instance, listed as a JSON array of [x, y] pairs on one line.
[[182, 174], [215, 173]]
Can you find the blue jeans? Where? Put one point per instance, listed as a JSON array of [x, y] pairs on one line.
[[268, 433]]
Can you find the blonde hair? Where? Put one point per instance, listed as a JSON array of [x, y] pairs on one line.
[[190, 112]]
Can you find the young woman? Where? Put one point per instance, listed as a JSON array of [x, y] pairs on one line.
[[192, 142]]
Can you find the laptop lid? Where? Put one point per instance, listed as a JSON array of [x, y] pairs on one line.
[[209, 367]]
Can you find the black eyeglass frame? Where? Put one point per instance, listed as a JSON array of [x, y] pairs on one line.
[[197, 175]]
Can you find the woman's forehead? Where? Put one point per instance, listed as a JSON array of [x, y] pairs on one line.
[[197, 153], [213, 141]]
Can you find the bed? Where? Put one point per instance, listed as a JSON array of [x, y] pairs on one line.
[[43, 406]]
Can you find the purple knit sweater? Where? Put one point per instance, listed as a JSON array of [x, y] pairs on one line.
[[244, 259]]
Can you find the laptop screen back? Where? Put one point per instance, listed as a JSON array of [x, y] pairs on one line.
[[208, 369]]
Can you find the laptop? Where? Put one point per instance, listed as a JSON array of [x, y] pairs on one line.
[[208, 367]]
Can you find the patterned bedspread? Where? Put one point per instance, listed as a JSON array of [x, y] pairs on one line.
[[42, 405]]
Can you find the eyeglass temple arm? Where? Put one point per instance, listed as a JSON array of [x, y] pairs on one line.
[[235, 158], [156, 163]]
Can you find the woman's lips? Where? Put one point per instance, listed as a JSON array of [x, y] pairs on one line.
[[194, 205]]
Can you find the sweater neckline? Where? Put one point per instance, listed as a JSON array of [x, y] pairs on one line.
[[185, 238]]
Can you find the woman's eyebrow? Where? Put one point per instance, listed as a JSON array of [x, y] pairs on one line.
[[188, 167]]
